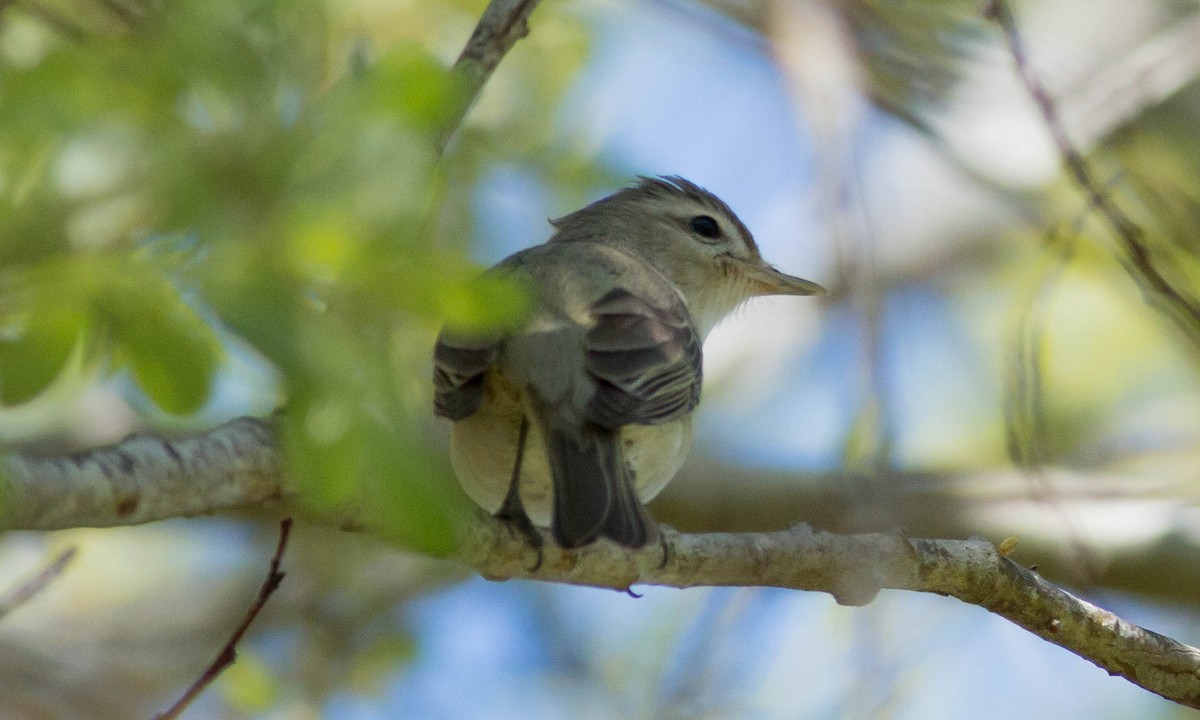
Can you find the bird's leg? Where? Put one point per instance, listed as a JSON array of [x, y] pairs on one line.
[[512, 510]]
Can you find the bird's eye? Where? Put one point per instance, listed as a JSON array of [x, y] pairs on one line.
[[705, 226]]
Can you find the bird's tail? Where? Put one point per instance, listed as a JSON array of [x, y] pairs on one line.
[[594, 492]]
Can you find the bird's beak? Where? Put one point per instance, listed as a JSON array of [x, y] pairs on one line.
[[766, 280]]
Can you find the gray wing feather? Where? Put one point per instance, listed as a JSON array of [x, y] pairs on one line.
[[645, 360], [459, 366]]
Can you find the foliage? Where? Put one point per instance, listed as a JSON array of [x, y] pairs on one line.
[[195, 170]]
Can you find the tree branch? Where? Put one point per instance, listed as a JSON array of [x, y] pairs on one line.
[[503, 23], [144, 479], [1137, 259], [853, 568]]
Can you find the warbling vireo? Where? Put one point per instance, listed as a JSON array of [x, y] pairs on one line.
[[585, 412]]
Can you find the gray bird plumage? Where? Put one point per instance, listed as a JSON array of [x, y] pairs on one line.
[[585, 411]]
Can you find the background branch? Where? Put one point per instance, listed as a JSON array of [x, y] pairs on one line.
[[1137, 260], [21, 594], [228, 652], [1158, 561], [502, 24]]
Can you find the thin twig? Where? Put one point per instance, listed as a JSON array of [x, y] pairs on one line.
[[502, 24], [26, 590], [228, 653], [1137, 260]]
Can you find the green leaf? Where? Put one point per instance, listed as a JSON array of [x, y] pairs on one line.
[[482, 303], [35, 346], [410, 82], [172, 352], [446, 290], [411, 497], [322, 449], [347, 461], [257, 301]]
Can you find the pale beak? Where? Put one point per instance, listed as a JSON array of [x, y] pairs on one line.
[[766, 280]]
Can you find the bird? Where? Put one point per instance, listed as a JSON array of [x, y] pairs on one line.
[[583, 412]]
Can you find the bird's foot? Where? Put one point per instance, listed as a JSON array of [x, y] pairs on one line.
[[664, 544], [521, 525]]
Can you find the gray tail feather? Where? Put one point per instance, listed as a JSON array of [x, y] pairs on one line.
[[593, 489]]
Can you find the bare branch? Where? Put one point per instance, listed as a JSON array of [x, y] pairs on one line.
[[143, 479], [1131, 236], [503, 23], [853, 568], [238, 464], [23, 592], [228, 653]]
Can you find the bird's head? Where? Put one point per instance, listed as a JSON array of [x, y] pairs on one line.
[[690, 236]]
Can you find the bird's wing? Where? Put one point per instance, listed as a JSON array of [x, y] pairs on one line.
[[645, 359], [459, 365]]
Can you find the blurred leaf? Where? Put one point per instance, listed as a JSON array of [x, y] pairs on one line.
[[863, 443], [379, 661], [255, 299], [411, 83], [913, 52], [35, 346], [346, 460], [324, 451], [27, 209], [50, 306], [485, 303], [249, 685], [412, 498], [173, 353], [446, 290]]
